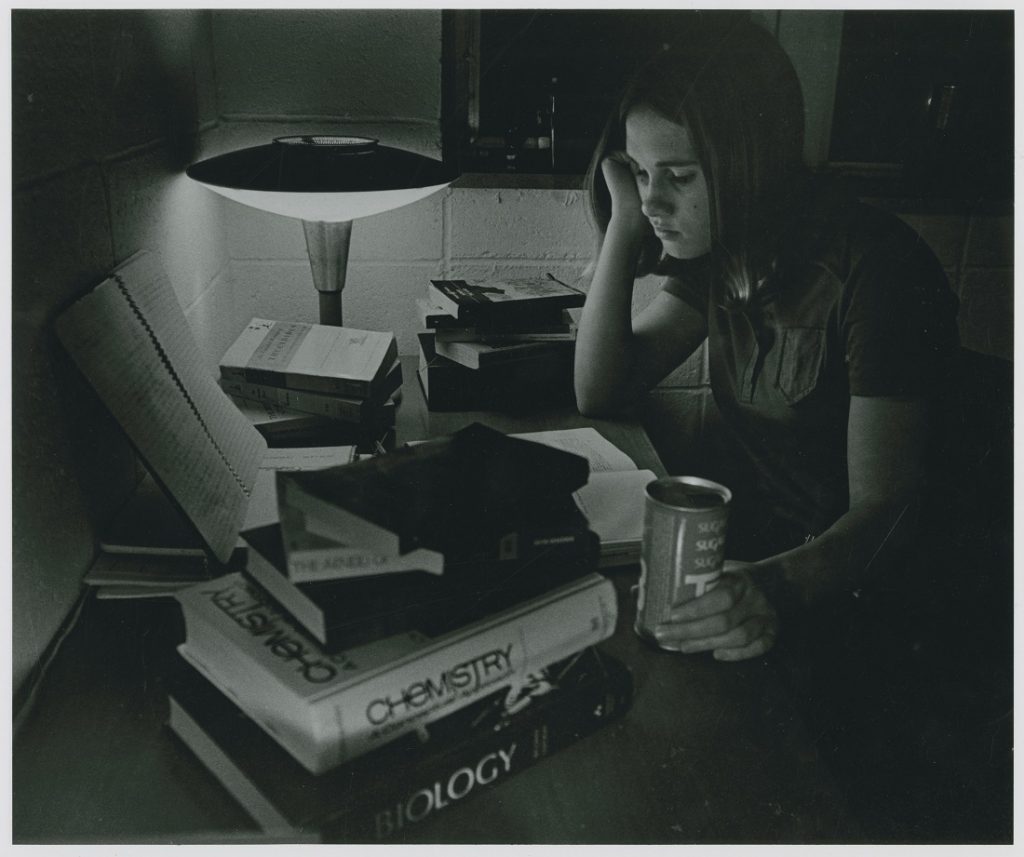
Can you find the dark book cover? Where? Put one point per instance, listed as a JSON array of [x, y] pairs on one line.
[[384, 795], [434, 494], [520, 300], [345, 613], [522, 386]]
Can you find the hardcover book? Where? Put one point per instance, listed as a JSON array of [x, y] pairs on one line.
[[328, 708], [480, 355], [435, 494], [487, 301], [340, 361], [381, 796], [341, 614], [553, 320], [449, 386]]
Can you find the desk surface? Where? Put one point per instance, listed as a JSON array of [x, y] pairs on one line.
[[709, 752]]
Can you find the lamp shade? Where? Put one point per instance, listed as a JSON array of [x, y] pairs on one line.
[[323, 178]]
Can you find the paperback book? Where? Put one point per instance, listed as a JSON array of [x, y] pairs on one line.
[[319, 358], [386, 794], [378, 411], [326, 709]]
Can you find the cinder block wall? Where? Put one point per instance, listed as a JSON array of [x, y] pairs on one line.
[[105, 109]]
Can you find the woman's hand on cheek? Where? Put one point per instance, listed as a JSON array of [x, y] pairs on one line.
[[734, 620], [622, 187]]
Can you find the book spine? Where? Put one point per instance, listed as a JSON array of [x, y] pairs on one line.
[[273, 347], [480, 355], [350, 718], [309, 383], [335, 407], [486, 760], [315, 565]]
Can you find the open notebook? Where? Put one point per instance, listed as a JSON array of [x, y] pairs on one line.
[[133, 343]]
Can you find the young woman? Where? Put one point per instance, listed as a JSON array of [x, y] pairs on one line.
[[830, 328]]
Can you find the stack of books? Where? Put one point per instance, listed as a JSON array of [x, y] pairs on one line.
[[311, 384], [406, 636], [487, 343]]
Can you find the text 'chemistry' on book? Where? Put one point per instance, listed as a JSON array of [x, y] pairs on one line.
[[382, 795], [328, 708]]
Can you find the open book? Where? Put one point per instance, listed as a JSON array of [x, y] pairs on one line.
[[131, 340], [613, 498]]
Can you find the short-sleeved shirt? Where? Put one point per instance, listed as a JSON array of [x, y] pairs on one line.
[[859, 306]]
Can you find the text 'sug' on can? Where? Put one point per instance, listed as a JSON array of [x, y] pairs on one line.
[[685, 520]]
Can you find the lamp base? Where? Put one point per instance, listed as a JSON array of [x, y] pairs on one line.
[[330, 308], [327, 245]]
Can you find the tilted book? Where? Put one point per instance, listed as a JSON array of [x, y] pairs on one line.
[[412, 780], [486, 301], [320, 358], [344, 613], [435, 494], [328, 708]]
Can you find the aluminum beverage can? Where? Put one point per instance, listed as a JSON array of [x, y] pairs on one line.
[[685, 519]]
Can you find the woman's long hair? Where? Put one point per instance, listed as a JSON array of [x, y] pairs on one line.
[[738, 94]]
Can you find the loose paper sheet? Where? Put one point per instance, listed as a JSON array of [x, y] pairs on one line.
[[603, 455]]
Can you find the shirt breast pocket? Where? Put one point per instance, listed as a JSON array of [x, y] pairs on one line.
[[800, 362]]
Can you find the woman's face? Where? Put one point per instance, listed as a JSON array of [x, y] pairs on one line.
[[673, 190]]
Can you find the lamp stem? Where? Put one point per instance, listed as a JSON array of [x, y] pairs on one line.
[[327, 245]]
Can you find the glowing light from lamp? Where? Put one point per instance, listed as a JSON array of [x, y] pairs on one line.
[[327, 181]]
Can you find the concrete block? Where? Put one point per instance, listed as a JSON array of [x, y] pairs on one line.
[[693, 372], [990, 242], [986, 311], [54, 108], [521, 223], [61, 242], [70, 468], [216, 319], [145, 79], [569, 272], [204, 69], [673, 420], [377, 297], [156, 207], [355, 62], [944, 234]]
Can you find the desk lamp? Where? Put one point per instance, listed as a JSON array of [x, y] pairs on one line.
[[326, 182]]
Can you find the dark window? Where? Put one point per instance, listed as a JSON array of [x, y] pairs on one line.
[[931, 94]]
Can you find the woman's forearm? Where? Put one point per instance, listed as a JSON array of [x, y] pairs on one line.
[[604, 343], [860, 544]]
